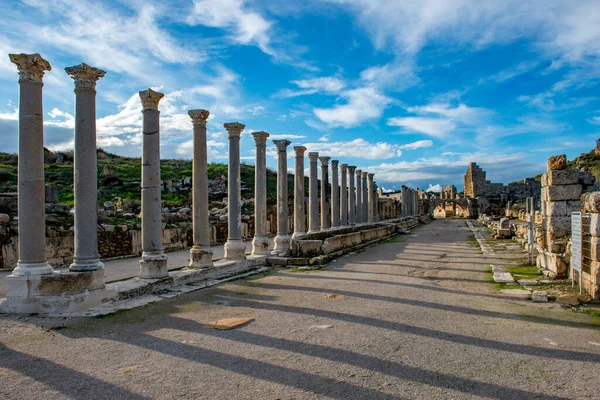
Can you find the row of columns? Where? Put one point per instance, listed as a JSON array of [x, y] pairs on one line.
[[410, 201], [340, 205]]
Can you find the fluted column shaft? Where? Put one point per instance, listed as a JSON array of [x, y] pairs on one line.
[[234, 247], [260, 243], [313, 193], [344, 195], [404, 201], [200, 253], [325, 216], [365, 197], [31, 199], [282, 240], [153, 264], [359, 199], [370, 213], [299, 224], [85, 170], [335, 195], [351, 196]]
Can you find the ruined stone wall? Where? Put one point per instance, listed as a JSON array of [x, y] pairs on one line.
[[474, 181], [561, 192], [448, 192]]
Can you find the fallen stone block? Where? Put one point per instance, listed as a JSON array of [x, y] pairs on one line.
[[528, 282], [539, 296]]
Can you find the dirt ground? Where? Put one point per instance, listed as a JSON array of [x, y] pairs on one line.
[[415, 317]]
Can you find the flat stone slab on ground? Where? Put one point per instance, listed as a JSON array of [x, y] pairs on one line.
[[229, 323], [503, 277], [528, 282], [516, 292]]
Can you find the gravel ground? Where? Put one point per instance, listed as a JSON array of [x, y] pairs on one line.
[[414, 318]]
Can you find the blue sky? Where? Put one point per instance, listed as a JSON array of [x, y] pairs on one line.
[[412, 91]]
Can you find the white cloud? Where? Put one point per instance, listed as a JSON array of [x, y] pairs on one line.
[[440, 119], [328, 85], [285, 136], [434, 188], [361, 105], [247, 27], [357, 148], [215, 149], [129, 41], [438, 128], [417, 145]]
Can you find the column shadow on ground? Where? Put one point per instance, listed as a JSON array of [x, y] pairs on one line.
[[70, 382]]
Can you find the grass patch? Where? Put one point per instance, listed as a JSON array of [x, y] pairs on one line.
[[299, 270], [471, 241], [524, 270], [588, 311]]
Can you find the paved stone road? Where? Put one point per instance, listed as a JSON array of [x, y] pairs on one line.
[[419, 320]]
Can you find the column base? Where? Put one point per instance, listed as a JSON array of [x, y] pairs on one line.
[[282, 245], [200, 257], [296, 234], [260, 246], [235, 249], [31, 269], [86, 265], [56, 292], [153, 265]]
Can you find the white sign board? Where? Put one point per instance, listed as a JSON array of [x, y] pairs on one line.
[[576, 241]]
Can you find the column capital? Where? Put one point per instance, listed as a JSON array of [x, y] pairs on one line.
[[370, 176], [150, 99], [31, 66], [260, 137], [199, 117], [358, 172], [351, 168], [299, 151], [85, 76], [313, 156], [234, 129], [282, 145], [334, 164], [324, 161], [343, 167], [364, 174]]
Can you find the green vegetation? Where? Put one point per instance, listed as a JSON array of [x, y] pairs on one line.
[[589, 311], [524, 270], [471, 241], [119, 177]]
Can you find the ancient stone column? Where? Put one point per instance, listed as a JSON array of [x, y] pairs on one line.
[[260, 243], [365, 197], [351, 196], [200, 253], [299, 226], [335, 195], [375, 196], [344, 195], [282, 240], [325, 216], [313, 193], [32, 223], [85, 170], [153, 264], [359, 199], [370, 213], [404, 201], [234, 247]]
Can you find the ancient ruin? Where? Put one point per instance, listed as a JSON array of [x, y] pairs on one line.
[[342, 216]]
